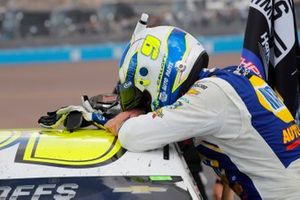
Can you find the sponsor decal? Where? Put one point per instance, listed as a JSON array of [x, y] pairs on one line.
[[200, 85], [271, 97], [157, 113], [165, 84], [127, 84], [211, 70], [193, 91], [161, 71], [92, 188], [175, 105], [184, 99], [250, 66], [64, 191], [98, 117], [269, 100], [163, 97], [179, 103], [169, 69], [82, 148], [291, 137], [155, 103]]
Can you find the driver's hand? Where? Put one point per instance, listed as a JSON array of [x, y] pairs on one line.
[[114, 124]]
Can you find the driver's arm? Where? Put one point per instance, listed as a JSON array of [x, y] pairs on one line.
[[200, 112]]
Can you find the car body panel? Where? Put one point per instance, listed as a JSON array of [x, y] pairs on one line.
[[57, 162]]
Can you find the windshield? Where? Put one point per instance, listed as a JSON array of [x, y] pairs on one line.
[[99, 188]]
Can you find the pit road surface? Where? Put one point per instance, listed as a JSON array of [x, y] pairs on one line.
[[29, 91]]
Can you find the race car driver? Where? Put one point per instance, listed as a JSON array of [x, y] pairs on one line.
[[240, 126]]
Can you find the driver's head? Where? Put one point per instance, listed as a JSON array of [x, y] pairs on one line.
[[158, 66]]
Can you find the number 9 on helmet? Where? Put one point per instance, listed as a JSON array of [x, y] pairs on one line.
[[158, 66]]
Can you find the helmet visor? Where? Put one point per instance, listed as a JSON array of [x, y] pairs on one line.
[[130, 96]]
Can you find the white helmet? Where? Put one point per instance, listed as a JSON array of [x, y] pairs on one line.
[[158, 66]]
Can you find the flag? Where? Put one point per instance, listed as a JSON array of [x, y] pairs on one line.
[[271, 47]]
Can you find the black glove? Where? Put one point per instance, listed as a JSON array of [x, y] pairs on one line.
[[96, 110], [52, 120], [72, 117]]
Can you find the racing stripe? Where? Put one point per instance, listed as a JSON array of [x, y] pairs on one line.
[[158, 103], [124, 55], [179, 79], [176, 43], [132, 68]]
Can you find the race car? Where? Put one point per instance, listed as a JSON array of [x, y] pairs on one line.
[[88, 164]]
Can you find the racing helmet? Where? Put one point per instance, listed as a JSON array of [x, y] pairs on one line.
[[158, 66]]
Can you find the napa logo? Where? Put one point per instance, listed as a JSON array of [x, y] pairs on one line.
[[269, 99]]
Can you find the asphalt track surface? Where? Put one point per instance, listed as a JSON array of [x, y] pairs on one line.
[[29, 91]]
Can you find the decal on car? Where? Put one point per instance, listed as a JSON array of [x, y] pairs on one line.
[[82, 148]]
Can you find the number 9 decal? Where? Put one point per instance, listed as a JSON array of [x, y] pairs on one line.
[[151, 47]]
